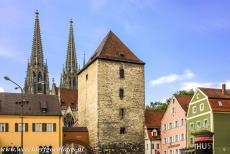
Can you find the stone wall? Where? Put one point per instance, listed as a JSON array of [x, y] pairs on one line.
[[87, 102], [109, 103]]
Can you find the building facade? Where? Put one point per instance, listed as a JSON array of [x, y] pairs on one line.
[[111, 98], [37, 79], [210, 110], [173, 125], [42, 123], [153, 131]]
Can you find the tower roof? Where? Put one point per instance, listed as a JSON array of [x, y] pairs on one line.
[[112, 48], [71, 61], [37, 52]]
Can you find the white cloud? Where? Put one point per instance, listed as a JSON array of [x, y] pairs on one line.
[[195, 85], [188, 74], [1, 89]]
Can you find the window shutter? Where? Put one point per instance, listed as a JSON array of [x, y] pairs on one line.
[[54, 127], [26, 127], [16, 127], [43, 127], [7, 127], [33, 127]]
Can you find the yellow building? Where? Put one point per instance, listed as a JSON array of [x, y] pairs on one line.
[[42, 123]]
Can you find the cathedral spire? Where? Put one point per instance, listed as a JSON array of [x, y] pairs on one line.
[[37, 79], [37, 52], [69, 74], [71, 61]]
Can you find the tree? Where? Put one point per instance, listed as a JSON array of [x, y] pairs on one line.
[[158, 105]]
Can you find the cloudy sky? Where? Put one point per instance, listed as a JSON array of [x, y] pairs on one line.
[[185, 44]]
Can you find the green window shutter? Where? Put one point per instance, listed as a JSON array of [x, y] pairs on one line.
[[26, 127], [33, 127], [16, 127], [43, 127], [7, 127], [54, 127]]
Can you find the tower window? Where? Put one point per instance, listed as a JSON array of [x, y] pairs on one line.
[[122, 130], [121, 93], [122, 73], [122, 112], [86, 77]]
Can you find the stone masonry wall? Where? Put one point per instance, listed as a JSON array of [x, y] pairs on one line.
[[109, 103], [87, 102]]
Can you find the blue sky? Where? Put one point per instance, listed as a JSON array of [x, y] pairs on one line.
[[185, 44]]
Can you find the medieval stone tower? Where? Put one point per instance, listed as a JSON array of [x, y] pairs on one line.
[[37, 79], [69, 74], [111, 98]]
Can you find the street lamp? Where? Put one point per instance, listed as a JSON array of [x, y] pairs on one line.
[[21, 103]]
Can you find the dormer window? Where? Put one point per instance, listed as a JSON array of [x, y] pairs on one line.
[[44, 107], [122, 55], [220, 103], [154, 132]]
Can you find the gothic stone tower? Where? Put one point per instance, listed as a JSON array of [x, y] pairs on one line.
[[69, 74], [37, 80], [111, 98]]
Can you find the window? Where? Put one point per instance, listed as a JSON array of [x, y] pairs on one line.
[[206, 123], [202, 107], [122, 112], [158, 146], [68, 120], [121, 93], [194, 109], [176, 123], [173, 110], [154, 132], [122, 73], [182, 122], [176, 152], [198, 124], [19, 127], [37, 127], [153, 146], [191, 140], [4, 127], [50, 127], [197, 96], [170, 125], [182, 137], [170, 139], [165, 139], [220, 103], [176, 138], [122, 130], [86, 77], [191, 126]]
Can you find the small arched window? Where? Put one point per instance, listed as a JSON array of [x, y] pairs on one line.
[[68, 120], [122, 73], [121, 93]]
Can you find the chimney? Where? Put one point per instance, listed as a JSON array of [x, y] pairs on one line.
[[223, 89]]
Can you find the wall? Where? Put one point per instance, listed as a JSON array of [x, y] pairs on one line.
[[31, 139]]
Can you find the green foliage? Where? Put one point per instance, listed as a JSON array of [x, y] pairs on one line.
[[158, 105]]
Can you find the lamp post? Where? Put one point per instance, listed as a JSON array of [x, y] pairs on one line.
[[21, 103]]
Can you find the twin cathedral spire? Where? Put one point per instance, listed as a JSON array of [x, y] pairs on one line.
[[37, 78]]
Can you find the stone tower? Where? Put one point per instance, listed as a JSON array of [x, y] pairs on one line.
[[69, 74], [111, 98], [37, 79]]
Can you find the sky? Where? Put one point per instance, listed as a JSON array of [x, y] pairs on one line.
[[185, 44]]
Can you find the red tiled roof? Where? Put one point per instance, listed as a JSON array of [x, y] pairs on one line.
[[215, 96], [153, 118], [184, 101], [112, 48], [68, 97], [220, 105], [215, 93]]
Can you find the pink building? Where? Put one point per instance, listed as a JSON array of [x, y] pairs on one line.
[[152, 131], [173, 125]]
